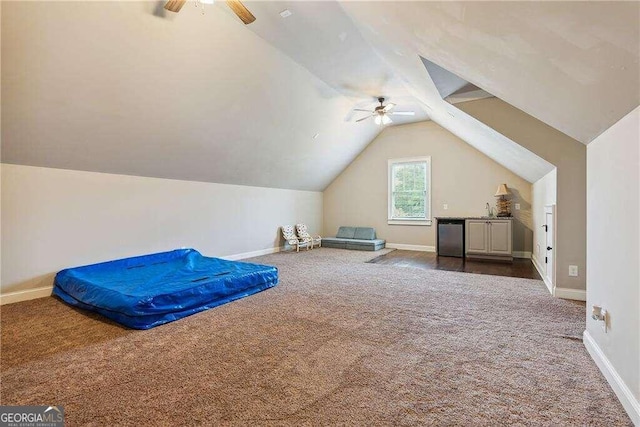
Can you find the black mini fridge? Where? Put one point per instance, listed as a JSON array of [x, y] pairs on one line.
[[450, 239]]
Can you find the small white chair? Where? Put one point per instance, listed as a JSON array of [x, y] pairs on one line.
[[290, 237], [303, 234]]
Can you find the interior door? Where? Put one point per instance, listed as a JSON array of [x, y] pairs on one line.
[[549, 244]]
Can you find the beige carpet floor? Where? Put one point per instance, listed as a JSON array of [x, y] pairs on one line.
[[338, 341]]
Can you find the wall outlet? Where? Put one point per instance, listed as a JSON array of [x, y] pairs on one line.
[[573, 270], [445, 206], [601, 315], [517, 206]]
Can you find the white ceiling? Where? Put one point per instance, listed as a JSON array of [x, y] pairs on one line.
[[122, 87], [125, 87], [572, 65], [321, 37]]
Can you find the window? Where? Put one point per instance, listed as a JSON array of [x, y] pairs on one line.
[[410, 191]]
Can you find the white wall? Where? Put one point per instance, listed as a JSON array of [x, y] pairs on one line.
[[54, 218], [613, 256], [543, 194]]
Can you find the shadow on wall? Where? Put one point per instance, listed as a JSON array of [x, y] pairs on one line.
[[522, 237], [522, 223], [157, 9], [517, 198], [278, 241]]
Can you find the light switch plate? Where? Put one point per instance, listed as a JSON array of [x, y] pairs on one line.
[[517, 206], [445, 206], [573, 270]]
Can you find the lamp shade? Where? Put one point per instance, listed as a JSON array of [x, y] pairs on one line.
[[502, 190]]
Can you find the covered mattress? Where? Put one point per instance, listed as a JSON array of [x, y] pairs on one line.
[[149, 290]]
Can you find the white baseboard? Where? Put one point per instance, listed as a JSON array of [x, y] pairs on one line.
[[538, 266], [253, 253], [567, 293], [402, 246], [626, 397], [26, 295], [522, 254]]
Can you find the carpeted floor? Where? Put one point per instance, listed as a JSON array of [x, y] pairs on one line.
[[338, 341]]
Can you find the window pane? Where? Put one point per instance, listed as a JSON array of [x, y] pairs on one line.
[[409, 204], [409, 190]]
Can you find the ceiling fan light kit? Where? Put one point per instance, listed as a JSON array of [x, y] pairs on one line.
[[382, 112]]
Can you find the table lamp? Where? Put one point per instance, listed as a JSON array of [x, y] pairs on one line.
[[503, 205]]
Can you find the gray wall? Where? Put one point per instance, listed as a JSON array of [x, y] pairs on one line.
[[570, 158], [462, 177]]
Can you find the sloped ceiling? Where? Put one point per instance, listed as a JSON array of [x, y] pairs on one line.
[[572, 65], [125, 87]]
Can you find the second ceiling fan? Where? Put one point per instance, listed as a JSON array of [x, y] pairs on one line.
[[235, 5], [382, 113]]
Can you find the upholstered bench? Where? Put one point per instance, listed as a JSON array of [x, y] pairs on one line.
[[357, 238]]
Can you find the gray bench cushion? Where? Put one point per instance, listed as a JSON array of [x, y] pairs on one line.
[[334, 243], [373, 247], [358, 244], [358, 238], [365, 233], [346, 232]]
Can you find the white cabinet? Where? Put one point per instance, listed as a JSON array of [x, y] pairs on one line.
[[477, 238], [488, 238]]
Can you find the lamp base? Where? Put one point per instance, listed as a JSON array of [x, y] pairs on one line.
[[503, 207]]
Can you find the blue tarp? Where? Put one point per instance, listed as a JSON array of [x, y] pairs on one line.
[[149, 290]]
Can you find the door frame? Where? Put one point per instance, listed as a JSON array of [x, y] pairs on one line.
[[551, 209]]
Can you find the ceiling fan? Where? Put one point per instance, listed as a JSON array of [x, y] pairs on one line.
[[382, 113], [235, 5]]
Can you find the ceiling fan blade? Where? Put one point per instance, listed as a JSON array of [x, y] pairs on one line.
[[364, 118], [360, 109], [386, 120], [403, 113], [242, 12], [388, 107], [174, 5]]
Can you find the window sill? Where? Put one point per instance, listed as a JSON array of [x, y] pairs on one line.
[[409, 221]]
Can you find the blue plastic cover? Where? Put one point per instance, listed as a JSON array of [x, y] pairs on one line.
[[149, 290]]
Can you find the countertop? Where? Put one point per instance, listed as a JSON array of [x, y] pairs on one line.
[[473, 217]]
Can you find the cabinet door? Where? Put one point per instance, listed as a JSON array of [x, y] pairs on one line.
[[477, 238], [500, 237]]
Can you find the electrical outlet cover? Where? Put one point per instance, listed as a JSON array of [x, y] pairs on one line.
[[517, 206], [573, 270], [445, 206]]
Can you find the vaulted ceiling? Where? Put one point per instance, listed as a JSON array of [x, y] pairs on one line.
[[126, 87], [572, 65]]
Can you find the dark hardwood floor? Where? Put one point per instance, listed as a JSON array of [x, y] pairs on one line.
[[430, 261]]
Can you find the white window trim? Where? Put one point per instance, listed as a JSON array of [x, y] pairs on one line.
[[407, 221]]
